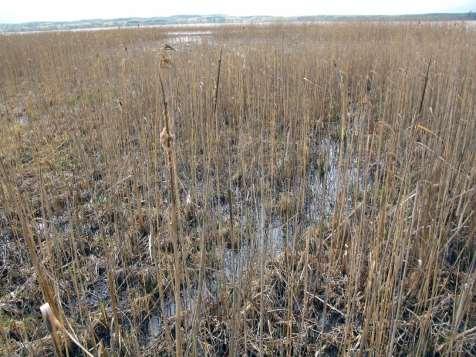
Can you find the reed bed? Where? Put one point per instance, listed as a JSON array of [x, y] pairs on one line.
[[247, 190]]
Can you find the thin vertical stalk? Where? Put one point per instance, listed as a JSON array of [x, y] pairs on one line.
[[167, 141]]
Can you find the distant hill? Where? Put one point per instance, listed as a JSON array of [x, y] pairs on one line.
[[219, 19]]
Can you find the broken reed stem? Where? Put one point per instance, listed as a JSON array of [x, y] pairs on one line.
[[201, 273], [306, 281], [54, 325], [422, 99], [215, 102], [261, 235], [166, 139], [217, 84], [43, 279], [111, 285]]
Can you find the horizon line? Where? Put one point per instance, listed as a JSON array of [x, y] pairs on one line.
[[238, 16]]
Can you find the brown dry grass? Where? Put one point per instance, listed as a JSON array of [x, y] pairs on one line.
[[325, 193]]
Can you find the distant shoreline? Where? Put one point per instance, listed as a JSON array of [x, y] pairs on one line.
[[215, 20], [211, 25]]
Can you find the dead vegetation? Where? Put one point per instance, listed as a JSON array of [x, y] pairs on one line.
[[260, 190]]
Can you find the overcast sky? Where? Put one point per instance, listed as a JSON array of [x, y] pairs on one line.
[[58, 10]]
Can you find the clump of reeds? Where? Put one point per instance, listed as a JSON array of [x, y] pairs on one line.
[[167, 142], [326, 170]]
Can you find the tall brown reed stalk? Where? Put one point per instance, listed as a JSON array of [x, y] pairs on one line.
[[167, 141]]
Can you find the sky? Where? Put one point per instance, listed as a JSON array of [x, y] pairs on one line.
[[14, 11]]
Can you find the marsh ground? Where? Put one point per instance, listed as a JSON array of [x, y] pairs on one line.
[[316, 193]]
